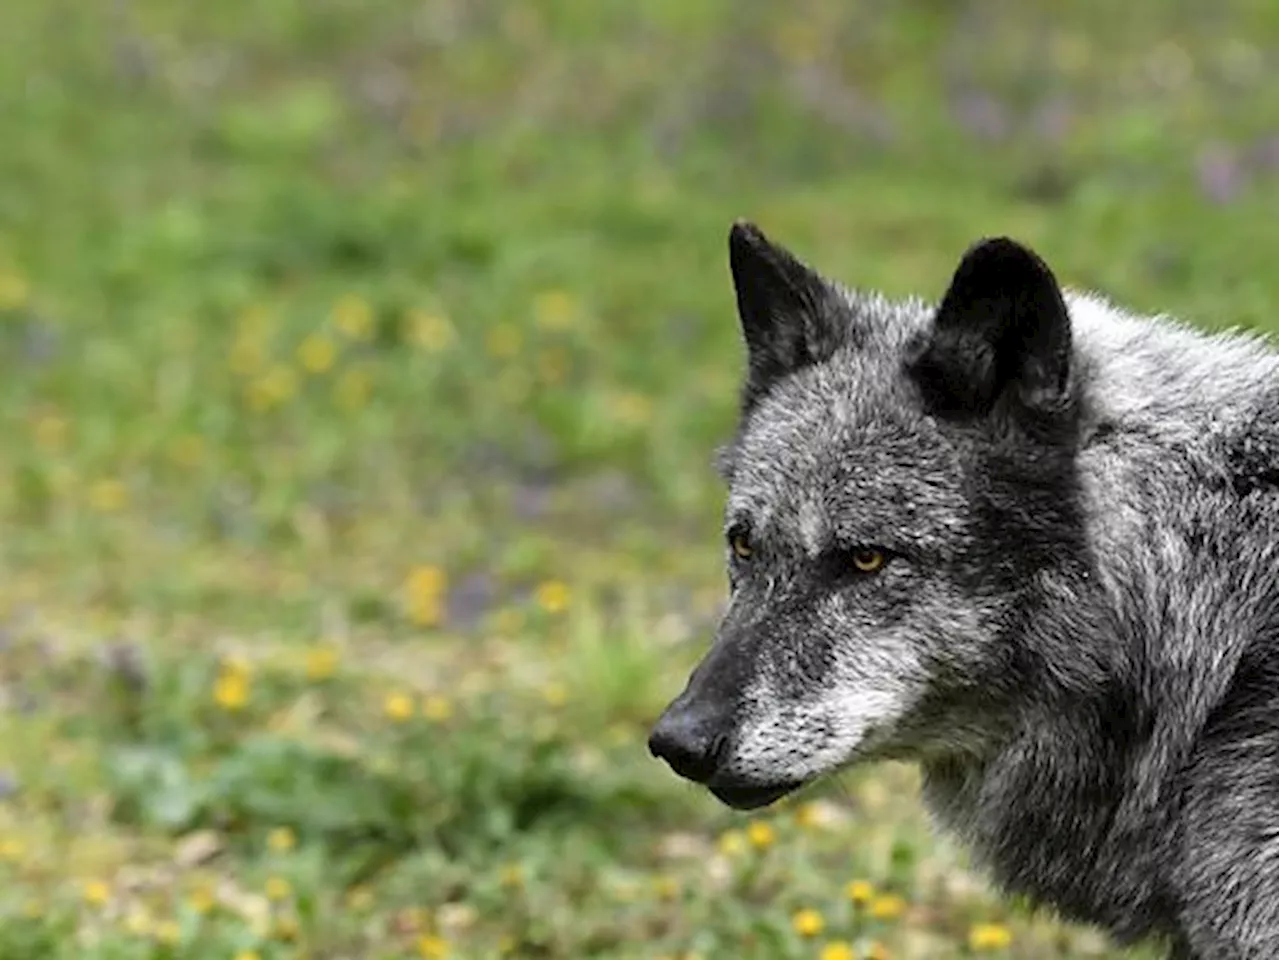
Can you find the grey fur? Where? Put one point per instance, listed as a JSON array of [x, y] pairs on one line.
[[1075, 633]]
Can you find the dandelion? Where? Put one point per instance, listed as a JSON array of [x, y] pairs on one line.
[[430, 331], [275, 387], [168, 932], [51, 431], [354, 317], [989, 936], [108, 496], [555, 694], [398, 706], [277, 889], [247, 355], [837, 950], [511, 875], [436, 708], [633, 409], [138, 922], [503, 342], [316, 353], [11, 850], [321, 663], [432, 947], [352, 389], [887, 906], [760, 834], [96, 893], [281, 839], [187, 450], [202, 899], [13, 289], [807, 922], [424, 590], [360, 898], [287, 928], [859, 891], [231, 690], [553, 596], [731, 843], [555, 310], [666, 888]]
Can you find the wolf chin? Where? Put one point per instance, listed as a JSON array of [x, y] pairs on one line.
[[1029, 541]]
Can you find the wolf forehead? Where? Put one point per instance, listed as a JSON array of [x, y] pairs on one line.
[[843, 453]]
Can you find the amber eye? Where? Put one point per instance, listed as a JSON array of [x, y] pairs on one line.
[[867, 559], [741, 546]]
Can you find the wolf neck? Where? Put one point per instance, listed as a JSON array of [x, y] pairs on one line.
[[1127, 663]]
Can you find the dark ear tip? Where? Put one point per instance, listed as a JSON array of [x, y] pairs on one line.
[[746, 235], [1004, 251]]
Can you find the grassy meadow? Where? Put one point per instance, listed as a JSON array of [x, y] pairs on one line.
[[361, 367]]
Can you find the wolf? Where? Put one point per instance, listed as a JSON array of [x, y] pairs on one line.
[[1028, 540]]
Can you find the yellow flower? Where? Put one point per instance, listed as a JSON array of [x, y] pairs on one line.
[[430, 331], [837, 950], [633, 409], [138, 922], [322, 662], [187, 450], [11, 850], [316, 353], [278, 385], [665, 887], [354, 317], [287, 928], [360, 898], [281, 839], [859, 891], [503, 342], [553, 596], [13, 289], [555, 694], [108, 496], [51, 431], [989, 936], [760, 834], [247, 354], [352, 389], [731, 843], [202, 899], [96, 892], [277, 889], [511, 875], [398, 706], [877, 951], [887, 906], [424, 590], [437, 708], [555, 310], [231, 690], [168, 932], [807, 923], [432, 947], [553, 365]]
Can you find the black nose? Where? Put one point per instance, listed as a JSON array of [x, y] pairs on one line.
[[687, 739]]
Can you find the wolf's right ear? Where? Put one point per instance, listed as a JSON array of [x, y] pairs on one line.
[[788, 311], [1001, 327]]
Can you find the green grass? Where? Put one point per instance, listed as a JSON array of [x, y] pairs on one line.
[[361, 367]]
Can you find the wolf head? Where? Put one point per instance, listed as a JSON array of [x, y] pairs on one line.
[[900, 480]]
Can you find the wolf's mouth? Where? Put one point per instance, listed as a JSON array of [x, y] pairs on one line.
[[752, 797]]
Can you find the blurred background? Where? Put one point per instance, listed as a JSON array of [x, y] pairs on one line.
[[362, 365]]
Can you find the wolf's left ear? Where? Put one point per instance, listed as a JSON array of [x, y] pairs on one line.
[[788, 311], [1002, 325]]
